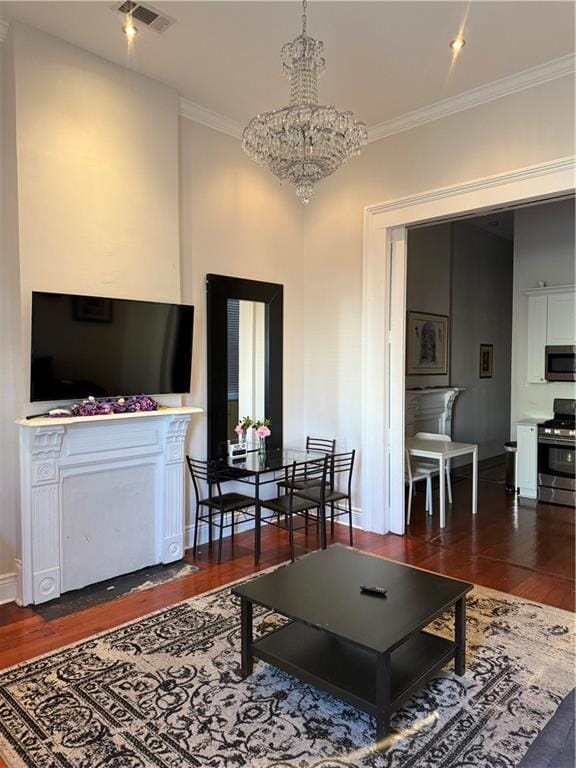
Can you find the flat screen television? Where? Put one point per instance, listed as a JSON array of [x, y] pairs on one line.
[[90, 345]]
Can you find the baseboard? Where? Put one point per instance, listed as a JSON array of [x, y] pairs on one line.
[[249, 524], [8, 585]]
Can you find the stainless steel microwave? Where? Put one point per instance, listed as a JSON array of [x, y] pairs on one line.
[[561, 363]]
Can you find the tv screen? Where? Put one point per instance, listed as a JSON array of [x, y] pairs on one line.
[[89, 345]]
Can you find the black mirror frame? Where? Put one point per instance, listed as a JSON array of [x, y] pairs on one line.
[[219, 289]]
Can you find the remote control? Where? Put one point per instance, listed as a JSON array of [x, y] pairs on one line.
[[379, 591]]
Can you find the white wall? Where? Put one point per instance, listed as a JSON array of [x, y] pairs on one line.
[[543, 250], [525, 128], [10, 370], [97, 177], [92, 203], [236, 219], [428, 283]]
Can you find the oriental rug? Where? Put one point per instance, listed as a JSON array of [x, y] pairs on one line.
[[165, 691]]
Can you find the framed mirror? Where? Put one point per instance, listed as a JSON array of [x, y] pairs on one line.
[[245, 354]]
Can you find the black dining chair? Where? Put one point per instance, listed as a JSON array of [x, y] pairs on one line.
[[318, 445], [289, 503], [221, 508], [339, 474]]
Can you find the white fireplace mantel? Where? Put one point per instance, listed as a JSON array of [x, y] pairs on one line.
[[101, 496], [430, 410]]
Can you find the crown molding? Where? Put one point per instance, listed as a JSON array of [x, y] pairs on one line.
[[204, 116], [529, 173], [4, 27], [528, 78]]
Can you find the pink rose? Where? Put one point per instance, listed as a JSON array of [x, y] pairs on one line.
[[238, 429], [263, 432]]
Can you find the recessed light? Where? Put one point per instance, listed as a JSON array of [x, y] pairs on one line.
[[458, 44], [130, 30]]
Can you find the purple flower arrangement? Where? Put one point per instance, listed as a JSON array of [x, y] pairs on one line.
[[93, 407]]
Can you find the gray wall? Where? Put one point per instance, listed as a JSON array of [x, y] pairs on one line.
[[466, 273], [543, 250], [482, 267], [428, 282]]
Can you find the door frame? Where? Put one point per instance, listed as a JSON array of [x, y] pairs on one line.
[[384, 312]]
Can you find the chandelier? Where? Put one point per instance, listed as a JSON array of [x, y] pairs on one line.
[[305, 141]]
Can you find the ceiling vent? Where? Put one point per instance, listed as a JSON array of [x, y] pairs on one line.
[[145, 14]]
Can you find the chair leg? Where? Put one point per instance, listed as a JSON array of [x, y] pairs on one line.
[[221, 537], [350, 521], [210, 530], [196, 524], [409, 503], [306, 523], [429, 492], [232, 521], [448, 483], [291, 535], [322, 516], [332, 519]]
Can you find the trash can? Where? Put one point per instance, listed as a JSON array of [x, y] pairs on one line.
[[511, 449]]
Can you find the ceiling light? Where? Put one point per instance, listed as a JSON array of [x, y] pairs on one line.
[[129, 29], [304, 142], [458, 44]]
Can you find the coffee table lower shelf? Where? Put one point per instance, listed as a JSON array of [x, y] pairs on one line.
[[348, 672]]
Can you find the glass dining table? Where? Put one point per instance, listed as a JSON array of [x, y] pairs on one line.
[[260, 468]]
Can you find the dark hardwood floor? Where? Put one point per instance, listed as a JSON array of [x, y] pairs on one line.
[[526, 549]]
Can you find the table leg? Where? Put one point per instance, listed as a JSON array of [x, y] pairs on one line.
[[257, 521], [382, 695], [475, 481], [460, 636], [246, 637], [442, 481]]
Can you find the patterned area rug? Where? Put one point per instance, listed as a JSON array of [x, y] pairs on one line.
[[165, 692]]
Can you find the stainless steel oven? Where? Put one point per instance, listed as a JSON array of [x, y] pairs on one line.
[[556, 455], [561, 363]]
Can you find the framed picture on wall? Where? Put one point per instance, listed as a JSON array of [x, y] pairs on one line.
[[427, 344], [486, 360]]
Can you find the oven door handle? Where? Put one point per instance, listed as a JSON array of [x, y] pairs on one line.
[[565, 442]]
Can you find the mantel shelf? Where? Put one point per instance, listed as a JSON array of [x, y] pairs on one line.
[[51, 421]]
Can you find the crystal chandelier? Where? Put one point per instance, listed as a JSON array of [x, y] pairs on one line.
[[304, 142]]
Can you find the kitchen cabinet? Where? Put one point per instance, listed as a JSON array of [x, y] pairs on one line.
[[561, 319], [527, 459], [537, 327], [551, 321]]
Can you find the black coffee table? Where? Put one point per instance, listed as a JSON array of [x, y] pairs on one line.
[[369, 651]]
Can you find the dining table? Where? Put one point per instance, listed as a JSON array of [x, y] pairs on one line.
[[259, 468], [442, 452]]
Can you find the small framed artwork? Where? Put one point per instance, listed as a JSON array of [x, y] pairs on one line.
[[92, 309], [486, 360], [427, 344]]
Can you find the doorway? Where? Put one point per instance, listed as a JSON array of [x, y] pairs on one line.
[[384, 308]]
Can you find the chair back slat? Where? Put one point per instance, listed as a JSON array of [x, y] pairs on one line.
[[341, 464], [204, 472], [311, 470], [320, 444]]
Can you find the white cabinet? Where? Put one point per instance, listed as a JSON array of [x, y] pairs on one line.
[[527, 460], [537, 330], [551, 321], [561, 320]]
